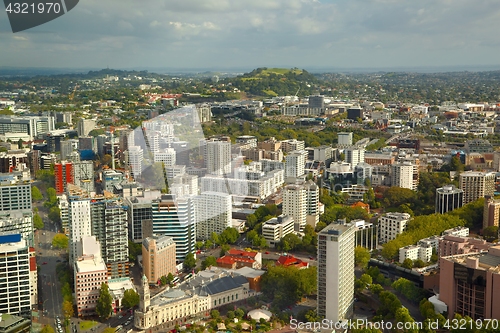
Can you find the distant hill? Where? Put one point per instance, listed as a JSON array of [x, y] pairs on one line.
[[270, 82]]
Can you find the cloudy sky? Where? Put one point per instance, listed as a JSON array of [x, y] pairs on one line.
[[251, 33]]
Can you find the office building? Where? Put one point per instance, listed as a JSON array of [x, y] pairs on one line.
[[316, 102], [15, 272], [175, 217], [90, 273], [85, 126], [204, 113], [477, 185], [85, 143], [448, 198], [404, 175], [355, 113], [391, 225], [275, 229], [18, 222], [213, 214], [450, 245], [109, 225], [336, 272], [26, 128], [111, 179], [218, 157], [165, 156], [15, 191], [140, 215], [295, 163], [468, 284], [158, 257]]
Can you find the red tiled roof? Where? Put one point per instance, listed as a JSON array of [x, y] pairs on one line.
[[236, 252], [232, 259], [32, 264], [291, 261]]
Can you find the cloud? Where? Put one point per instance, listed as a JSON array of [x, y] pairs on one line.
[[249, 33]]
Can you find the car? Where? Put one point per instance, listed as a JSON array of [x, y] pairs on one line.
[[44, 263], [312, 258], [267, 252], [120, 317], [58, 260]]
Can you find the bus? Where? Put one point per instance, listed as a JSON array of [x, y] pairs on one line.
[[188, 276], [118, 328], [175, 280]]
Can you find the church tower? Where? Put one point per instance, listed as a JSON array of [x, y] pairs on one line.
[[145, 301]]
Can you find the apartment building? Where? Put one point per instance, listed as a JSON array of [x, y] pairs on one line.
[[477, 185], [391, 225], [336, 271], [213, 214]]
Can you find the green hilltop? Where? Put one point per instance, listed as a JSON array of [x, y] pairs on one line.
[[268, 82]]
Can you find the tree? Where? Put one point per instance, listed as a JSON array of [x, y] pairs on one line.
[[419, 263], [490, 233], [163, 280], [130, 298], [214, 314], [37, 222], [55, 214], [36, 195], [198, 245], [407, 263], [170, 278], [361, 256], [209, 261], [208, 244], [289, 242], [60, 241], [67, 309], [223, 249], [109, 330], [47, 329], [104, 306], [189, 261], [239, 313]]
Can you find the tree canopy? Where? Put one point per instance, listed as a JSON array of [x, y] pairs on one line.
[[104, 306], [60, 241], [130, 298]]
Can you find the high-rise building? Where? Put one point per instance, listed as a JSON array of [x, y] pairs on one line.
[[175, 217], [90, 273], [316, 101], [204, 112], [80, 222], [491, 212], [477, 185], [165, 156], [85, 126], [344, 139], [63, 174], [85, 143], [109, 225], [11, 160], [18, 222], [336, 271], [354, 156], [135, 158], [448, 198], [18, 286], [158, 257], [295, 163], [468, 284], [288, 146], [15, 191], [249, 141], [404, 175], [27, 128], [218, 157], [83, 175], [301, 201], [140, 215], [391, 225], [66, 149], [213, 214]]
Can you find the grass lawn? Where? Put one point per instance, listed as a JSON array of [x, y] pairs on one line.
[[87, 324]]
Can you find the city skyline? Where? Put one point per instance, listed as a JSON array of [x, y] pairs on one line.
[[220, 34]]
